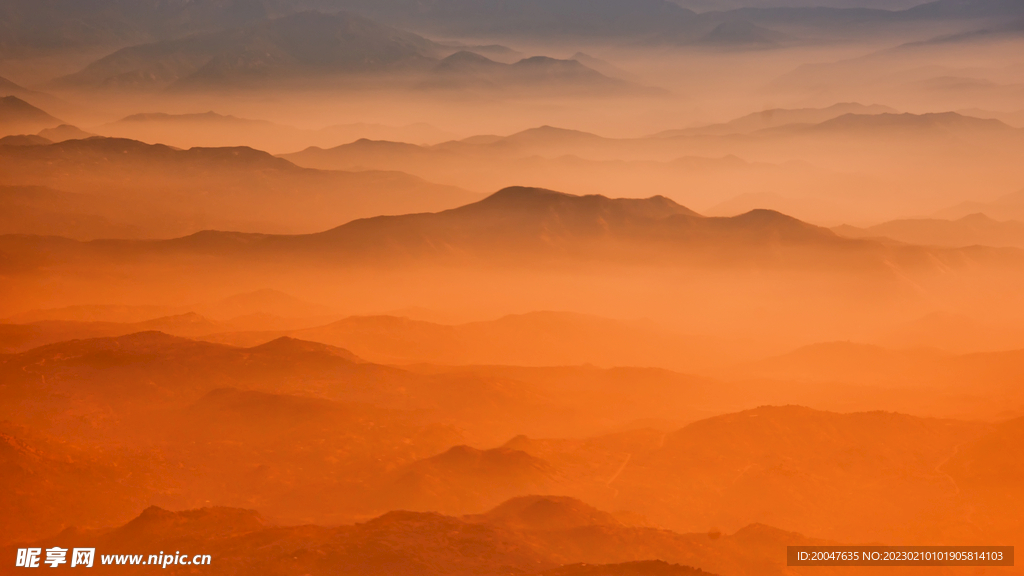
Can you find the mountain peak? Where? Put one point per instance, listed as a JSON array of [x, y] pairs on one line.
[[287, 346], [548, 513], [209, 522], [533, 199]]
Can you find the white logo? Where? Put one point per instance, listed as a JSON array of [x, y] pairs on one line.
[[83, 557], [28, 557], [56, 556]]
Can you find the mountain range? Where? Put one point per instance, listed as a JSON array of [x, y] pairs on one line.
[[971, 230], [167, 191], [213, 130], [312, 48], [429, 543], [58, 25], [530, 226], [842, 164]]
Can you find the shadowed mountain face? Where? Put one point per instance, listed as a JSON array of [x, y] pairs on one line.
[[529, 227]]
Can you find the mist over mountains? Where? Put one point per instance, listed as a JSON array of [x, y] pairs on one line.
[[534, 287]]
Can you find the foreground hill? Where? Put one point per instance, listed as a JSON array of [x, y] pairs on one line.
[[309, 433], [242, 542], [167, 191]]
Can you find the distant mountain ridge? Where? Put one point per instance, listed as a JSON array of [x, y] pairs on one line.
[[314, 48], [189, 190], [535, 227], [61, 25], [971, 230], [281, 48], [780, 116]]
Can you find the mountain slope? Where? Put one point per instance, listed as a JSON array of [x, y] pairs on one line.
[[746, 465], [229, 188], [20, 117]]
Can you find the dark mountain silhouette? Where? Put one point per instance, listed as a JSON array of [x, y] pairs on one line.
[[529, 221], [538, 228], [229, 188], [20, 117]]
